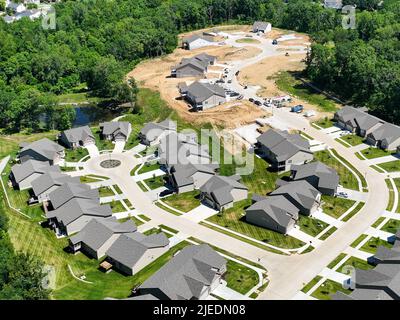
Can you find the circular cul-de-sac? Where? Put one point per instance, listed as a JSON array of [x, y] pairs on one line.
[[109, 164]]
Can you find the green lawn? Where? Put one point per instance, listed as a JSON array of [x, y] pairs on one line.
[[327, 289], [391, 195], [160, 205], [327, 234], [92, 178], [106, 191], [156, 231], [172, 230], [247, 40], [253, 243], [335, 261], [356, 263], [335, 206], [372, 245], [101, 144], [184, 201], [392, 226], [324, 123], [261, 180], [112, 284], [311, 226], [346, 178], [391, 166], [155, 182], [148, 166], [353, 212], [239, 277], [356, 242], [234, 219], [74, 155], [397, 183], [377, 222], [288, 83], [116, 206], [311, 284], [134, 219], [372, 152], [352, 139]]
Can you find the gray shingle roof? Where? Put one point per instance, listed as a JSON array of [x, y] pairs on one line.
[[202, 91], [327, 177], [44, 147], [260, 25], [220, 187], [69, 190], [176, 148], [75, 135], [115, 127], [26, 169], [300, 191], [46, 181], [129, 248], [194, 37], [153, 130], [385, 276], [386, 255], [76, 208], [282, 144], [200, 62], [388, 132], [183, 173], [98, 231], [186, 274], [278, 208]]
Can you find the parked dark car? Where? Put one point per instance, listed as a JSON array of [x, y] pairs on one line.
[[258, 103], [240, 97], [251, 99], [275, 42]]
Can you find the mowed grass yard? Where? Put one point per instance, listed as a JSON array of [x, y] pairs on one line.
[[372, 152], [239, 277], [352, 139], [184, 201], [234, 219], [76, 154], [346, 178], [334, 206], [392, 166]]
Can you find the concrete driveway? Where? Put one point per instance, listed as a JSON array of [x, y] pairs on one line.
[[200, 213], [93, 150], [119, 146]]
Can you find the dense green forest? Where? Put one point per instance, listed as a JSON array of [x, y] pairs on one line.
[[97, 41]]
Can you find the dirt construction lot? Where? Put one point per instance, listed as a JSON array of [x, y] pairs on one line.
[[154, 74]]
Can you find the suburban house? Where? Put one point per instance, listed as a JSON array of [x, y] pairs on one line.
[[41, 150], [69, 191], [333, 4], [16, 7], [22, 175], [221, 192], [202, 95], [262, 26], [189, 177], [388, 256], [380, 283], [180, 148], [275, 213], [319, 175], [378, 133], [282, 149], [115, 130], [192, 274], [46, 183], [99, 235], [74, 215], [197, 41], [77, 137], [357, 120], [387, 137], [133, 251], [152, 132], [196, 66], [300, 193]]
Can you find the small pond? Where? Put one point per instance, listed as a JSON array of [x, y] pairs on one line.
[[91, 114]]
